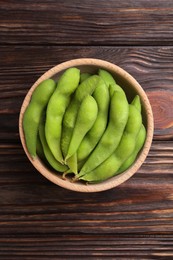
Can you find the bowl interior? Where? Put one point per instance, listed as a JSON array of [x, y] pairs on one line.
[[131, 88]]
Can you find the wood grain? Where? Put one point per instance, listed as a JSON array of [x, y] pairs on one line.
[[102, 247], [61, 211], [86, 22], [144, 64], [39, 220]]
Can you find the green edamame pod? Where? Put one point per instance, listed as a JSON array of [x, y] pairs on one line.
[[39, 149], [84, 76], [49, 156], [101, 95], [85, 88], [85, 119], [109, 80], [136, 102], [106, 76], [139, 143], [57, 105], [32, 115], [118, 115], [72, 164], [110, 166]]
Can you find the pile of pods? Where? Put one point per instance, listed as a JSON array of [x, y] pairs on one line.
[[84, 126]]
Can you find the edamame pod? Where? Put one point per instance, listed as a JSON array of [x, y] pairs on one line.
[[109, 80], [110, 166], [32, 115], [85, 88], [101, 95], [49, 156], [72, 164], [85, 119], [119, 110], [84, 76], [57, 105], [106, 76], [136, 102], [39, 149], [139, 143]]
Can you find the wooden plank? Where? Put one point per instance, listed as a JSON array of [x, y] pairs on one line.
[[29, 204], [39, 220], [151, 66], [87, 22], [46, 211], [102, 247]]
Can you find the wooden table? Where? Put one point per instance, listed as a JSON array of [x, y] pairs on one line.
[[39, 220]]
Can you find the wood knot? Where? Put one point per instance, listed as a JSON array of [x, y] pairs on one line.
[[162, 106]]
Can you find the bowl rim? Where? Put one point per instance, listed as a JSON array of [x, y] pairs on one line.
[[115, 180]]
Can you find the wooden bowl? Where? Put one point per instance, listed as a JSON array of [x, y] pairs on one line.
[[131, 87]]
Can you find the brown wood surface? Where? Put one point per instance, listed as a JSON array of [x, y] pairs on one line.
[[87, 22], [39, 220]]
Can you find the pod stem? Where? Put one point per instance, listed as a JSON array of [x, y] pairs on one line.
[[66, 173], [75, 179]]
